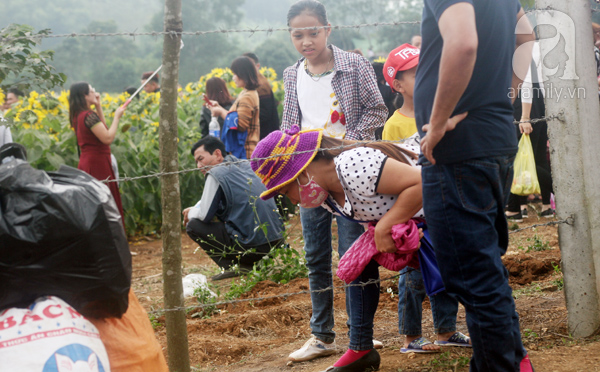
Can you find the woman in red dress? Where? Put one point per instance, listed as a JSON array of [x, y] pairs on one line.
[[94, 136]]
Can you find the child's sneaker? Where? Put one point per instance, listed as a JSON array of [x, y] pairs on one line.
[[457, 339], [524, 213], [313, 348], [548, 213]]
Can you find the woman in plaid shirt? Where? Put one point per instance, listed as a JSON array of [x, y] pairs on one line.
[[335, 90]]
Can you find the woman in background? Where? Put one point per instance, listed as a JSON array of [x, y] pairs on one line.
[[243, 116], [94, 136], [216, 90]]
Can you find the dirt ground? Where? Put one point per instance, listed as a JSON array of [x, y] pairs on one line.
[[259, 335]]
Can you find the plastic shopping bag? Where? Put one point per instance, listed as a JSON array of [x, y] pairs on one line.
[[525, 181]]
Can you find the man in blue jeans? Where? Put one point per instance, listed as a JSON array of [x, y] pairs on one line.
[[464, 116]]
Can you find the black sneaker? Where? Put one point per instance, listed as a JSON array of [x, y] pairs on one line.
[[242, 269], [524, 213], [226, 275], [515, 217], [548, 213]]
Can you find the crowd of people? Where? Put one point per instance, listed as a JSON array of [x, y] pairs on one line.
[[463, 123], [440, 102]]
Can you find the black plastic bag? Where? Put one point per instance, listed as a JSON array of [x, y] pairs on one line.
[[61, 234]]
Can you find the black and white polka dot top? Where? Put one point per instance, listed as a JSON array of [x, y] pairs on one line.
[[359, 171]]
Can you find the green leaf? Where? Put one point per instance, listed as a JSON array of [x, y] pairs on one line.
[[55, 160]]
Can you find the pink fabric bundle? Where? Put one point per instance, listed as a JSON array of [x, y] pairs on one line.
[[354, 261]]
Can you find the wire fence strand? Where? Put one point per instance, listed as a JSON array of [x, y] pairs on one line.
[[341, 147], [250, 31], [569, 220], [283, 295]]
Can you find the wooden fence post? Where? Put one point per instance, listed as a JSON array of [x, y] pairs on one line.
[[177, 341]]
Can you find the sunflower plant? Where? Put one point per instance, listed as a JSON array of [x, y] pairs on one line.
[[40, 122]]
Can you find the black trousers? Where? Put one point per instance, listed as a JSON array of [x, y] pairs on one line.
[[225, 250]]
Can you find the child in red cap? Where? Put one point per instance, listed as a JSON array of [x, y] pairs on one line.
[[399, 72]]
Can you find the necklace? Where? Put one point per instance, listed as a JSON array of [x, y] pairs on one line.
[[317, 77]]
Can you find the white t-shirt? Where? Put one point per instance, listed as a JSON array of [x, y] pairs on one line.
[[200, 210], [319, 105], [359, 171], [5, 136], [527, 92]]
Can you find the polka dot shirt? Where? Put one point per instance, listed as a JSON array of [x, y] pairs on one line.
[[359, 171]]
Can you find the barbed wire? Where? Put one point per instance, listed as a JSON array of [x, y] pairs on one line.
[[569, 220], [250, 31], [341, 147], [283, 295], [240, 161], [559, 116]]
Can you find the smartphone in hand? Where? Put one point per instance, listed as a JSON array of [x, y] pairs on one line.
[[206, 100]]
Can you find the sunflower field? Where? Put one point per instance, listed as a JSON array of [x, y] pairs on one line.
[[40, 122]]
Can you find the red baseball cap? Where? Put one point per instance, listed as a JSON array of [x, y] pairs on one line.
[[402, 58]]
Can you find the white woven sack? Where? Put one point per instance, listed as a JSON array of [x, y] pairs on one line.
[[49, 336]]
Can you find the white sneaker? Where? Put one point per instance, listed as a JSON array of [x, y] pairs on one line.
[[377, 344], [313, 348]]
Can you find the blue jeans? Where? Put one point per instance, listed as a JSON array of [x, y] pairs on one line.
[[361, 302], [464, 204], [411, 293]]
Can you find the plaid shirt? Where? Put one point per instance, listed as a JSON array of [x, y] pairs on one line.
[[355, 87]]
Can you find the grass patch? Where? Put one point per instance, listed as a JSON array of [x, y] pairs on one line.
[[536, 245], [281, 266], [205, 297], [559, 282], [529, 290], [154, 321], [445, 361]]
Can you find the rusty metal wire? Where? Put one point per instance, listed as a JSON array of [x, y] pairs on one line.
[[250, 31]]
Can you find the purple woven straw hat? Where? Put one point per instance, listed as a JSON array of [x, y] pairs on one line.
[[296, 149]]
